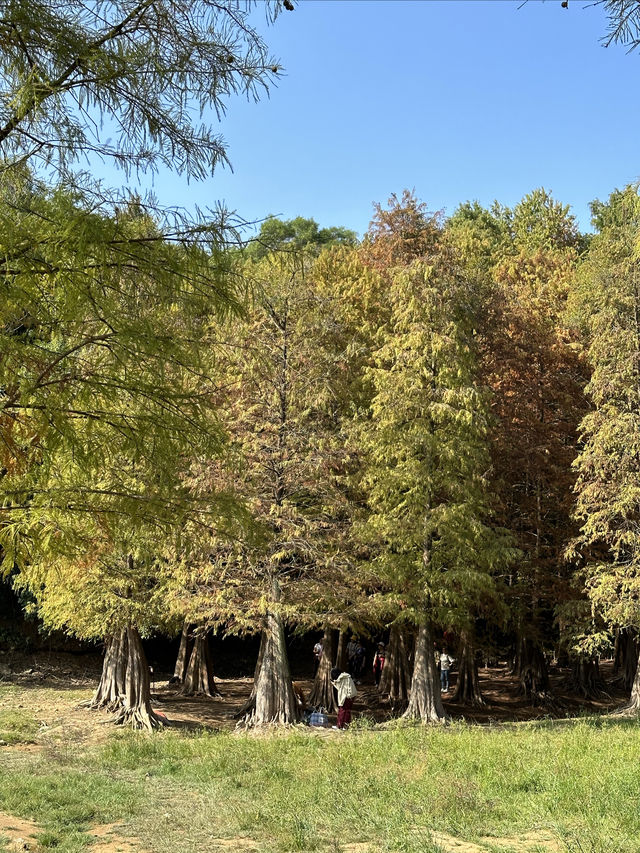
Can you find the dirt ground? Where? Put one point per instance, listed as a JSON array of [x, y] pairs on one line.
[[38, 675]]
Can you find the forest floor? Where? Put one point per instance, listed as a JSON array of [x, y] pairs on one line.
[[71, 677], [520, 782]]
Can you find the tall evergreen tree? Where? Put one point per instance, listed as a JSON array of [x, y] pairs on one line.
[[425, 463], [608, 299]]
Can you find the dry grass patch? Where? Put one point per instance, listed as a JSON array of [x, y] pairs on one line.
[[19, 832]]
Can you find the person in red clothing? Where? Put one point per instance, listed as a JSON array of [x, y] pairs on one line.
[[378, 663], [346, 690]]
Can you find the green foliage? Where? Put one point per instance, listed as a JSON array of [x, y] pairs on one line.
[[620, 211], [104, 378], [540, 222], [295, 235], [608, 299], [124, 80], [425, 450], [109, 303], [279, 372]]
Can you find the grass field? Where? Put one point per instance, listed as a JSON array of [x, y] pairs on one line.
[[368, 789]]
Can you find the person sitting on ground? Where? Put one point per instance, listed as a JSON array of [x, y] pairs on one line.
[[378, 663], [347, 691], [445, 665]]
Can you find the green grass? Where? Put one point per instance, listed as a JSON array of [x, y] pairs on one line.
[[17, 726], [296, 791]]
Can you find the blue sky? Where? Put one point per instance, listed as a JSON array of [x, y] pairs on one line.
[[457, 99]]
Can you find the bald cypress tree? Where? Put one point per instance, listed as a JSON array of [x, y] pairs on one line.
[[425, 456], [608, 468]]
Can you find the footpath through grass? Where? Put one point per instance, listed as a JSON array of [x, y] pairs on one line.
[[300, 791]]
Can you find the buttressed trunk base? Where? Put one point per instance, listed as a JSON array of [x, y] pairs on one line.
[[396, 678], [467, 690], [199, 680], [275, 701], [425, 702], [109, 694], [322, 694], [136, 708]]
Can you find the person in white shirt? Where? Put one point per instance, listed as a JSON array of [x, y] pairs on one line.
[[445, 665], [346, 689]]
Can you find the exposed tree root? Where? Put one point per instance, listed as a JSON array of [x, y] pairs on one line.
[[632, 707], [109, 694], [396, 676], [467, 690], [275, 701], [534, 677], [139, 718], [425, 702], [585, 680], [199, 680], [136, 706]]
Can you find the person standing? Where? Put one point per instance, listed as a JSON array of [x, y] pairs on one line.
[[347, 691], [352, 645], [359, 659], [445, 665], [378, 663]]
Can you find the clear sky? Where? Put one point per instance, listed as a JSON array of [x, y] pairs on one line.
[[457, 99]]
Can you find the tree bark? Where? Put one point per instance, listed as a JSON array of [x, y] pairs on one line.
[[249, 706], [275, 701], [617, 656], [425, 702], [396, 675], [199, 678], [467, 690], [626, 661], [632, 707], [184, 653], [341, 654], [534, 674], [585, 679], [136, 708], [322, 693], [109, 694]]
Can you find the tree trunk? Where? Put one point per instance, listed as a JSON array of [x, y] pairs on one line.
[[275, 701], [632, 708], [516, 663], [534, 675], [626, 658], [341, 654], [184, 653], [199, 678], [249, 706], [425, 702], [395, 678], [585, 679], [467, 690], [322, 693], [110, 691], [136, 707]]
